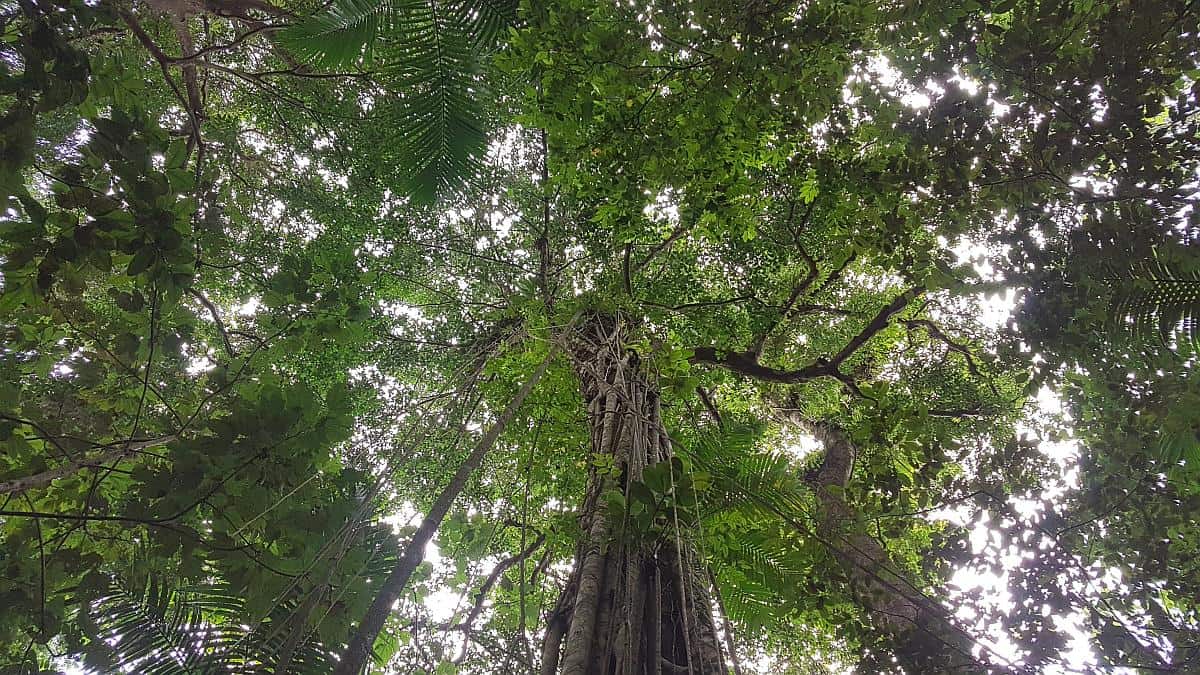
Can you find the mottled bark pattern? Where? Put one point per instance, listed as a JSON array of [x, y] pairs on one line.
[[628, 609]]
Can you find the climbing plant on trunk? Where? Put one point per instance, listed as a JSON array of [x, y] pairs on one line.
[[637, 600]]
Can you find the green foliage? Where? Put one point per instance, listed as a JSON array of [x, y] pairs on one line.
[[433, 57], [1160, 300], [238, 328], [346, 33]]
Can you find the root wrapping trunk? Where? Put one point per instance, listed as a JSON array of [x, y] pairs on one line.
[[634, 605]]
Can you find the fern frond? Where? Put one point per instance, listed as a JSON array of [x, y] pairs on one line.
[[1159, 301]]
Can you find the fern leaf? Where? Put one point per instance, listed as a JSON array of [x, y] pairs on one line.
[[1159, 302]]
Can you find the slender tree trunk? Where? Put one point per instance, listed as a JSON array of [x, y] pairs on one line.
[[359, 649], [631, 606], [927, 638]]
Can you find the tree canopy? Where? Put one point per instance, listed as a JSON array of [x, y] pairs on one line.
[[423, 336]]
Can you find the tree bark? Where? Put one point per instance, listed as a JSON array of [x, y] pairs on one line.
[[359, 649], [633, 605]]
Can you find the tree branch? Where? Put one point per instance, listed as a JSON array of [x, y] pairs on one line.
[[163, 61], [702, 303], [500, 569], [212, 309], [746, 363], [877, 324], [664, 245], [18, 485]]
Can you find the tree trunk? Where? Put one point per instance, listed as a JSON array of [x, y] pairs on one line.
[[633, 605], [358, 651], [927, 638]]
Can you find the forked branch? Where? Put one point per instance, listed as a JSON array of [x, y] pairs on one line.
[[747, 363]]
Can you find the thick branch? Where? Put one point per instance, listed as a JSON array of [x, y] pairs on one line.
[[702, 303], [746, 363], [712, 408], [190, 81], [921, 628], [163, 61], [241, 8], [878, 323]]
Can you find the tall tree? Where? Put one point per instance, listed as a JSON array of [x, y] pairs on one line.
[[652, 315]]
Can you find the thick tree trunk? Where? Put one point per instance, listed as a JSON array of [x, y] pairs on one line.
[[633, 606]]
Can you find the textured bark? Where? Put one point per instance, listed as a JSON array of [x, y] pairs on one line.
[[630, 607]]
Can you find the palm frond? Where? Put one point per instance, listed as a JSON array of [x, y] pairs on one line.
[[1175, 445], [344, 34], [439, 130], [347, 32], [1159, 302], [756, 479], [431, 54], [748, 602], [486, 20], [158, 629]]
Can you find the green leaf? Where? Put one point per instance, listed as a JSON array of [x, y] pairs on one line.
[[142, 260], [642, 493]]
